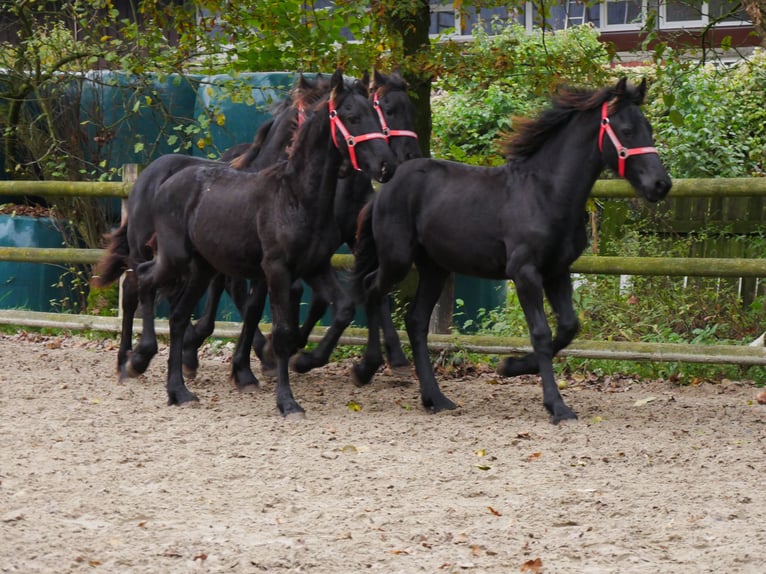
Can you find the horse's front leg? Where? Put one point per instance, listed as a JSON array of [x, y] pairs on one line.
[[284, 334], [327, 287], [430, 284], [263, 345], [530, 291], [558, 290], [179, 320]]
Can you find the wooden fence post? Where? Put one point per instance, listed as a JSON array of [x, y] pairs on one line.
[[441, 316]]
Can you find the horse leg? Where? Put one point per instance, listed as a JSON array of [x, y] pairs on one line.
[[129, 306], [319, 304], [558, 290], [197, 332], [266, 354], [256, 297], [252, 309], [530, 290], [284, 334], [327, 287], [397, 360], [372, 359], [430, 284], [179, 320], [138, 360]]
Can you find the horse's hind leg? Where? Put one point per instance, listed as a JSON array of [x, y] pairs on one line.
[[138, 360], [241, 373], [529, 288], [430, 284], [397, 360], [372, 359], [203, 328], [327, 286], [558, 290], [129, 306]]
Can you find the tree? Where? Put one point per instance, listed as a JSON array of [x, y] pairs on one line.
[[756, 9]]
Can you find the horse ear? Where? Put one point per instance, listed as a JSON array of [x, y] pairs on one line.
[[303, 82], [365, 81], [619, 89], [641, 91], [380, 78], [336, 82]]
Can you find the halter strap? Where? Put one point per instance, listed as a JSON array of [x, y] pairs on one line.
[[384, 124], [351, 140], [623, 153]]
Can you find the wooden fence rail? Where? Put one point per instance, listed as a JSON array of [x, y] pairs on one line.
[[604, 189]]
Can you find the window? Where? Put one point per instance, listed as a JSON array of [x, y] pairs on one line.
[[609, 15]]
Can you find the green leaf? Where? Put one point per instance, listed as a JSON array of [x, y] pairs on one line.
[[676, 118]]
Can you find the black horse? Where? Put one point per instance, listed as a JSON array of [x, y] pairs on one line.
[[133, 242], [523, 221], [276, 225], [396, 113], [388, 93]]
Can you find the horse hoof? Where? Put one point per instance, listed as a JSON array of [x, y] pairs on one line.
[[400, 371], [443, 404], [295, 416], [129, 372], [189, 372], [302, 363], [269, 370], [249, 388], [360, 376], [563, 417], [182, 399]]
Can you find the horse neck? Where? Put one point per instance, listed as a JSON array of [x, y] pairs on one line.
[[279, 138], [314, 165], [573, 159]]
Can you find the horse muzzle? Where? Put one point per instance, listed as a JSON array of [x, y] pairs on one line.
[[385, 171]]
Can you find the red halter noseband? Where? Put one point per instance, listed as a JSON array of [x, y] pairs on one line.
[[623, 153], [383, 124], [351, 141]]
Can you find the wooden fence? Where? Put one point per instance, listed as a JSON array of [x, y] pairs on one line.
[[587, 264]]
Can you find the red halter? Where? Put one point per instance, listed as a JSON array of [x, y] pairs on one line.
[[623, 153], [351, 141], [383, 124]]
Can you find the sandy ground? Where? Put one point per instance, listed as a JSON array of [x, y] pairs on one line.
[[101, 477]]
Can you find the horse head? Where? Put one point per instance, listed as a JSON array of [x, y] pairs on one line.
[[362, 144], [626, 143], [396, 112]]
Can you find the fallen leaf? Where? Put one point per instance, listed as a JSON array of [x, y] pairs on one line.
[[483, 467], [354, 406], [481, 452], [349, 448], [642, 402], [493, 511], [201, 557], [533, 566], [534, 456]]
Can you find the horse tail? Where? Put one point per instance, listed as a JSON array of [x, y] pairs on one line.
[[115, 262], [365, 254]]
